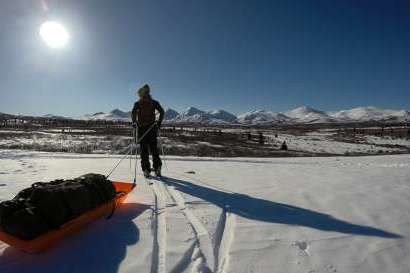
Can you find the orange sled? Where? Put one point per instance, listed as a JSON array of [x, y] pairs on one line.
[[50, 238]]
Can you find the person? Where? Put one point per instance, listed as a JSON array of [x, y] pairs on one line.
[[144, 119]]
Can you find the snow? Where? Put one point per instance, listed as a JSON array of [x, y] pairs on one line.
[[170, 114], [195, 115], [370, 113], [321, 142], [306, 114], [51, 116], [69, 130], [261, 117], [223, 115], [114, 115], [302, 114], [49, 141], [12, 132], [339, 214], [387, 140], [205, 143]]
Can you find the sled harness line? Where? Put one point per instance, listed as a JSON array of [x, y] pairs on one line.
[[136, 142]]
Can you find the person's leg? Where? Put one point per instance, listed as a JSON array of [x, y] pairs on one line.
[[153, 146], [145, 165], [144, 147]]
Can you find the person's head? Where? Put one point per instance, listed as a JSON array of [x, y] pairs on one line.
[[144, 92]]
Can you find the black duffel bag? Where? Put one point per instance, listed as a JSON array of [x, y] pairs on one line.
[[77, 198], [102, 189], [25, 223], [51, 203], [45, 206], [9, 207]]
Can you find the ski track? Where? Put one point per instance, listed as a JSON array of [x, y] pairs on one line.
[[160, 231], [223, 237], [186, 260], [203, 256], [223, 240]]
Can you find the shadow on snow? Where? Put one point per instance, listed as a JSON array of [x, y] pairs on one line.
[[267, 211], [101, 247]]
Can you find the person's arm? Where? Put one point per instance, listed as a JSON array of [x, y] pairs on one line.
[[134, 113], [161, 111]]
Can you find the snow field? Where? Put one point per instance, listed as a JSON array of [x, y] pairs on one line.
[[340, 214]]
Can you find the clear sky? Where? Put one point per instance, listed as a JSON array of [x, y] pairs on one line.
[[232, 54]]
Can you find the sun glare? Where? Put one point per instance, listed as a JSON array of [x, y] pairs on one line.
[[54, 34]]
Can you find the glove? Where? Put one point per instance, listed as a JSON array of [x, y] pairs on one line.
[[134, 125], [158, 124]]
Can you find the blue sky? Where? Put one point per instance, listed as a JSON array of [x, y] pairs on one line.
[[232, 54]]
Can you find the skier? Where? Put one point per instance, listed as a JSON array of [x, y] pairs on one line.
[[143, 118]]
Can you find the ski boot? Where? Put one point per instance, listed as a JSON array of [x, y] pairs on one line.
[[147, 174], [158, 172]]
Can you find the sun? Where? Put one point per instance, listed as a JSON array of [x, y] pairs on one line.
[[54, 34]]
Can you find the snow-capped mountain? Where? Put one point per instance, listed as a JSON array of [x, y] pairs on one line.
[[192, 114], [305, 114], [115, 114], [262, 117], [192, 111], [301, 114], [170, 114], [223, 115], [195, 115], [370, 113], [51, 116], [120, 114], [5, 116]]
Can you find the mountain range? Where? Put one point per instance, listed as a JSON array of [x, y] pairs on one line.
[[302, 114]]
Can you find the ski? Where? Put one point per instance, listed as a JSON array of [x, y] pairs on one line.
[[148, 179]]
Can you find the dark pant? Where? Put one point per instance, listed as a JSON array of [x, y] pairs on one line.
[[147, 144]]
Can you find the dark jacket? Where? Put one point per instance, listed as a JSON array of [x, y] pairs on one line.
[[143, 112]]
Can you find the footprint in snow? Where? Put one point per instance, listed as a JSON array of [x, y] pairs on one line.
[[331, 269], [302, 246]]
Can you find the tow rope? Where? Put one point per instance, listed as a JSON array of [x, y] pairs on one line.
[[129, 148], [136, 142]]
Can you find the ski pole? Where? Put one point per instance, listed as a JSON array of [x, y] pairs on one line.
[[136, 157], [130, 149], [162, 149]]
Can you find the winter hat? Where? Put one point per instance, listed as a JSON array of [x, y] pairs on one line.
[[144, 91]]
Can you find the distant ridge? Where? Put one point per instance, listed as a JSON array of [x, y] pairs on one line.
[[303, 114], [115, 114], [299, 115]]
